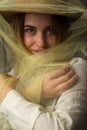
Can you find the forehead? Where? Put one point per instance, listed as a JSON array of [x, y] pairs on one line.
[[36, 17]]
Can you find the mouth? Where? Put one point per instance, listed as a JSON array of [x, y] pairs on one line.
[[36, 51]]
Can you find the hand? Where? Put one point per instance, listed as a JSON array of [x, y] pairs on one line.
[[7, 83], [56, 82]]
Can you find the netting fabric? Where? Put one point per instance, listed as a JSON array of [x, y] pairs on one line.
[[32, 68]]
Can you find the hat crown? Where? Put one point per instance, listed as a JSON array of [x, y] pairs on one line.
[[55, 7], [40, 6], [37, 1], [30, 1]]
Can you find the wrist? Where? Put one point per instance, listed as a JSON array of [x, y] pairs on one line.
[[5, 92]]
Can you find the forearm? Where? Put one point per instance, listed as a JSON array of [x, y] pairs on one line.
[[70, 108], [20, 113], [25, 115]]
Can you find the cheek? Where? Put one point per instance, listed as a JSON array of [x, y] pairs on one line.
[[52, 41], [27, 41]]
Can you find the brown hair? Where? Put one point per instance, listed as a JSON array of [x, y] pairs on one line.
[[18, 23], [61, 26]]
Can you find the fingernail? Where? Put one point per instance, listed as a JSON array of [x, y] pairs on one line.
[[66, 68], [18, 77]]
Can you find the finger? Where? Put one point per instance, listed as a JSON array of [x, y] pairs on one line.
[[63, 78], [14, 79], [4, 75], [66, 85], [11, 76], [6, 79], [57, 73]]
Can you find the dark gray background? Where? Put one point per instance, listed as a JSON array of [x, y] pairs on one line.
[[84, 1]]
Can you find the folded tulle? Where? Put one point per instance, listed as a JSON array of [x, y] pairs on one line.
[[32, 68]]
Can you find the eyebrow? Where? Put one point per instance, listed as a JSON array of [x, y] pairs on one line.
[[30, 26]]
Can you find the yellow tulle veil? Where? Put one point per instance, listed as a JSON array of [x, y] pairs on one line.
[[32, 68]]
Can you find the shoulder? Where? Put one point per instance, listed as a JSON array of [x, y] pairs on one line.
[[78, 60], [80, 66]]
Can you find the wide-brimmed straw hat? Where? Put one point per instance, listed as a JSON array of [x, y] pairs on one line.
[[57, 7]]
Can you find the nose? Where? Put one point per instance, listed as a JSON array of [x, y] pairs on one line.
[[40, 40]]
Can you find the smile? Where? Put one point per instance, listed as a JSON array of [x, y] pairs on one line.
[[36, 51]]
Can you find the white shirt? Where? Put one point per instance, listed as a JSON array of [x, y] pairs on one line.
[[64, 113]]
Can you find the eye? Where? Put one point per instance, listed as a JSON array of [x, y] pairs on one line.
[[29, 29], [50, 30]]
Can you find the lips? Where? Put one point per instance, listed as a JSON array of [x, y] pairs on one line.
[[36, 51]]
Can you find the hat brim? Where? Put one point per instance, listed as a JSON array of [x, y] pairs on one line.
[[8, 11]]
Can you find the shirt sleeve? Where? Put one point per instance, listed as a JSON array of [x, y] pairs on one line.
[[70, 107]]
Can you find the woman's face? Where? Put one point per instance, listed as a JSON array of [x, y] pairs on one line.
[[39, 32]]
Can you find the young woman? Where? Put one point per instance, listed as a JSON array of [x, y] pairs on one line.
[[38, 32]]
